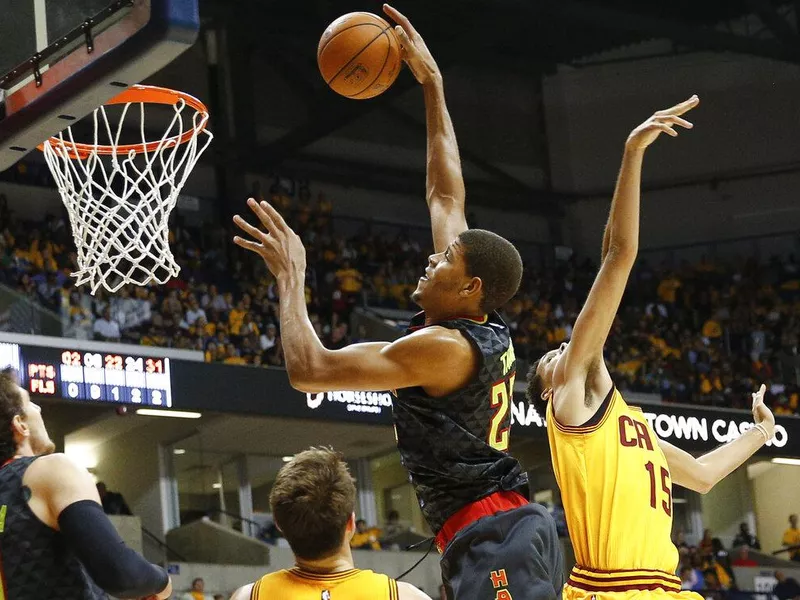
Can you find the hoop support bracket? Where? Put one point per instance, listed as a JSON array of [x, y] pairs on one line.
[[86, 27], [36, 60]]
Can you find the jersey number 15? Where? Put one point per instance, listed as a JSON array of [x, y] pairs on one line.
[[666, 487], [502, 392]]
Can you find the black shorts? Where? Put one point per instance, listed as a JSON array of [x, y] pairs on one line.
[[515, 551]]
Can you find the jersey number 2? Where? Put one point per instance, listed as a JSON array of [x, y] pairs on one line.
[[665, 486], [502, 392]]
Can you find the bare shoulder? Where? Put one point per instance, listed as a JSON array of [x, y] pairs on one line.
[[409, 592], [243, 593], [56, 468]]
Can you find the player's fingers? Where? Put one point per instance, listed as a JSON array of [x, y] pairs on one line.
[[262, 215], [248, 228], [675, 120], [758, 397], [405, 41], [274, 217], [665, 128], [684, 106], [248, 245], [400, 18]]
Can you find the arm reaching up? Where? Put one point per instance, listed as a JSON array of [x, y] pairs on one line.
[[445, 191], [620, 247]]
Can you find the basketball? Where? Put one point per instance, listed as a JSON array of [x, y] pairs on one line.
[[359, 55]]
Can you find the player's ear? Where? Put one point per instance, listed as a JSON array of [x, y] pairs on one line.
[[350, 528], [473, 288], [20, 427]]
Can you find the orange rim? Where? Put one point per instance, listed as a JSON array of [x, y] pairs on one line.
[[146, 94]]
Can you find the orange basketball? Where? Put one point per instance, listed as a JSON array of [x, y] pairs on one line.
[[359, 55]]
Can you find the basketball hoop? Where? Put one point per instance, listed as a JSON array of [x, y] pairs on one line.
[[119, 195]]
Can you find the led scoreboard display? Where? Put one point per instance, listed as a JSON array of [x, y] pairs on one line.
[[91, 375]]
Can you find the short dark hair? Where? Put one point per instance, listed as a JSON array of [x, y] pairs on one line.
[[10, 407], [496, 262], [535, 388], [312, 500]]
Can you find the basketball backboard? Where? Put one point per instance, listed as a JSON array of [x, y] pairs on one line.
[[61, 59]]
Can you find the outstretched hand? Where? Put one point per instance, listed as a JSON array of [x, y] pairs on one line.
[[279, 246], [412, 47], [663, 121], [762, 415]]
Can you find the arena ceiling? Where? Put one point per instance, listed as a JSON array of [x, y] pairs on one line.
[[530, 37]]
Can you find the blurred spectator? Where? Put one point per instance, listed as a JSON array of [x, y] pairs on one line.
[[105, 328], [713, 589], [393, 526], [745, 538], [689, 579], [705, 548], [197, 592], [680, 541], [744, 560], [364, 538], [791, 538], [787, 588], [113, 502], [722, 563]]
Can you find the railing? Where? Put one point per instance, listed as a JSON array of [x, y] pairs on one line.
[[785, 550], [169, 553], [254, 526]]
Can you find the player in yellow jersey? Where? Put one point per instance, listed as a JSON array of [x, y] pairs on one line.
[[312, 502], [615, 475]]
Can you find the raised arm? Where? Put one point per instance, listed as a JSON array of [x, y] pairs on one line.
[[433, 357], [445, 185], [702, 474], [620, 245]]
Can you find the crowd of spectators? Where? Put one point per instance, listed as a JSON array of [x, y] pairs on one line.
[[705, 332], [708, 568]]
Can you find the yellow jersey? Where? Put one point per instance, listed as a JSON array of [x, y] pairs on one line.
[[296, 584], [617, 496]]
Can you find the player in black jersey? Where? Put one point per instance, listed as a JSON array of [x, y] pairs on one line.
[[453, 374], [55, 541]]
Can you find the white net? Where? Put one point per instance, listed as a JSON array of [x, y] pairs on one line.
[[119, 198]]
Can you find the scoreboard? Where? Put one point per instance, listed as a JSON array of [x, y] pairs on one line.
[[90, 375]]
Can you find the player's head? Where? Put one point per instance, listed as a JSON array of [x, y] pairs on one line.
[[793, 521], [477, 273], [313, 502], [23, 430], [540, 378]]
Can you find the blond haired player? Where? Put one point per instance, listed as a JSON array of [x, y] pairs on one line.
[[313, 502], [615, 475]]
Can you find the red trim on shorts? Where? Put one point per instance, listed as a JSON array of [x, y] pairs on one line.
[[595, 580], [485, 507], [622, 588]]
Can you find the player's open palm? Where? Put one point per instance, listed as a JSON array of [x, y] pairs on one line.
[[663, 121], [762, 415], [413, 49], [279, 246]]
